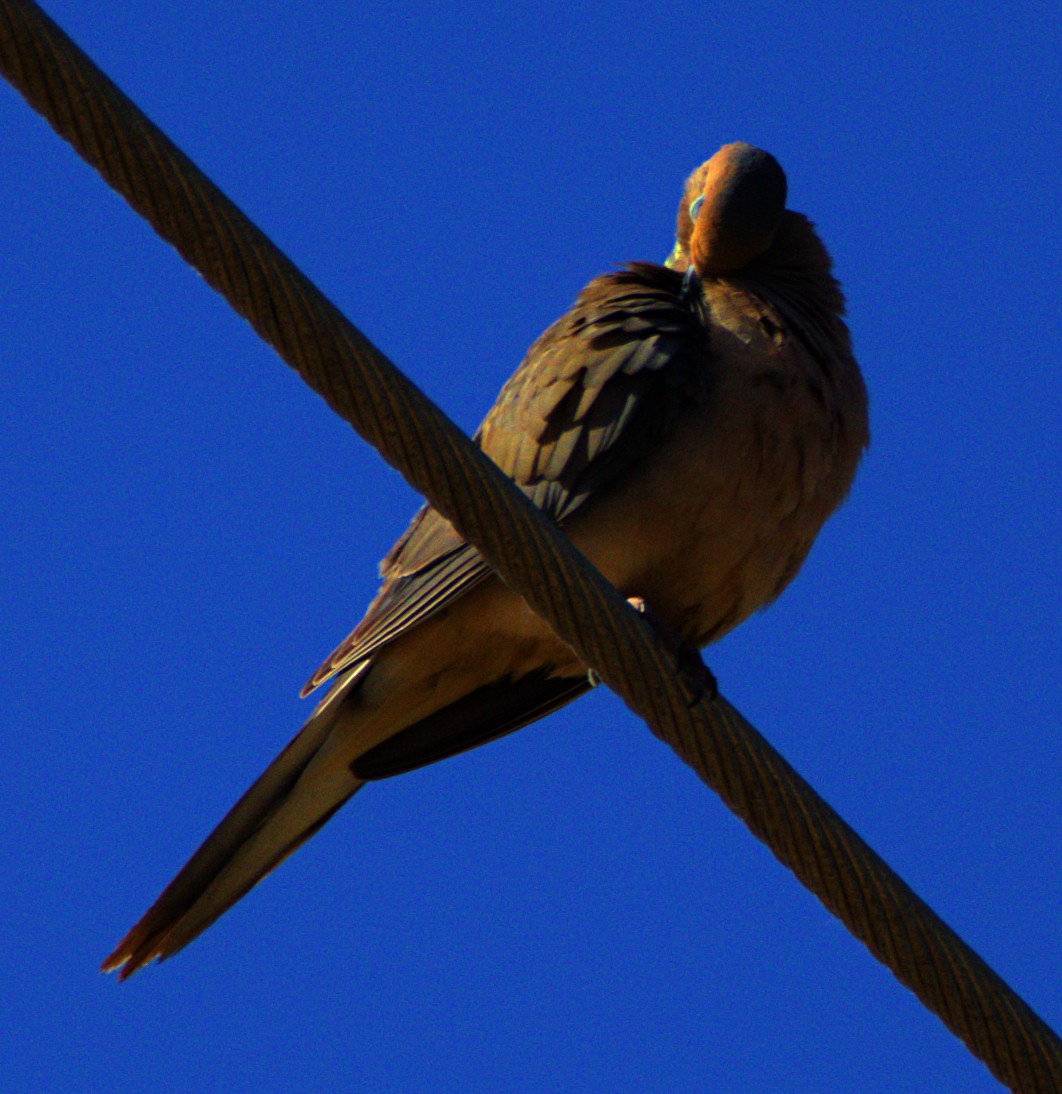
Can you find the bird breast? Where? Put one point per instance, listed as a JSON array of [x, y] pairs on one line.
[[720, 519]]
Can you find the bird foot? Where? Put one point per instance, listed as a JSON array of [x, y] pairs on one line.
[[698, 680]]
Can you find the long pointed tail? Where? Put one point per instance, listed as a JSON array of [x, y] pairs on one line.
[[297, 794]]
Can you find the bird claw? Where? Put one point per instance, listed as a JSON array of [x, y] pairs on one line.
[[698, 680]]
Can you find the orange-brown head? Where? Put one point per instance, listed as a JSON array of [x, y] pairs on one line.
[[731, 209]]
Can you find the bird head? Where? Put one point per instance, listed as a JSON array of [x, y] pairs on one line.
[[731, 209]]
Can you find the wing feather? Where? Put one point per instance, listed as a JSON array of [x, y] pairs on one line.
[[592, 397]]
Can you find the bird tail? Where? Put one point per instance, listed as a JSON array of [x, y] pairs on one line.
[[294, 797]]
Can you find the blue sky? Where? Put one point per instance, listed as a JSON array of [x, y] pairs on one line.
[[187, 530]]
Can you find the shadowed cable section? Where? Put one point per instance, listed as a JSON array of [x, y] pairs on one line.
[[528, 551]]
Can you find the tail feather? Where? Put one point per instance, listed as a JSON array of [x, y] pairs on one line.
[[297, 794]]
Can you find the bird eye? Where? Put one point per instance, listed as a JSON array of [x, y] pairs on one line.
[[695, 207]]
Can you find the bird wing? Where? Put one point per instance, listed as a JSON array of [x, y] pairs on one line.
[[594, 395], [480, 716]]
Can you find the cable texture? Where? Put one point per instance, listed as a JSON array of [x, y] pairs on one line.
[[532, 556]]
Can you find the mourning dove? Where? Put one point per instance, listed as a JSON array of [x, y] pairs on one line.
[[690, 426]]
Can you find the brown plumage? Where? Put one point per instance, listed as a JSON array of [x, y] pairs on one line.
[[691, 429]]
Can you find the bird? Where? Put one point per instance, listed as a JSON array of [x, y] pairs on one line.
[[689, 425]]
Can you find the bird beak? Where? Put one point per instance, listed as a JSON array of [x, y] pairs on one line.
[[674, 260]]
